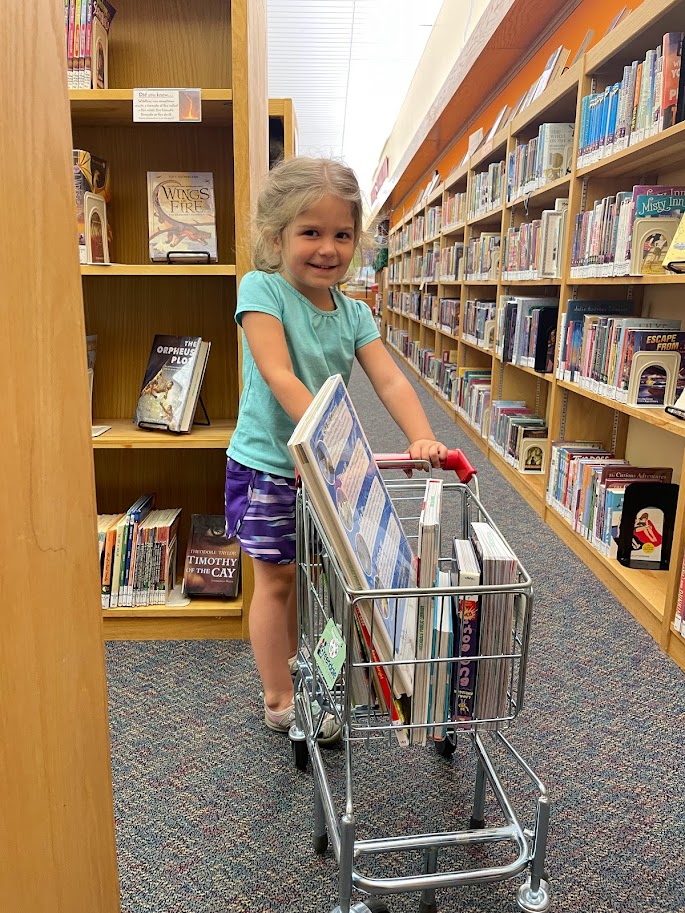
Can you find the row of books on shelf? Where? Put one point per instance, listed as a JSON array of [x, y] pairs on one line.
[[629, 233], [543, 159], [525, 331], [486, 190], [420, 658], [172, 382], [86, 34], [181, 213], [518, 435], [625, 512], [442, 313], [605, 348], [534, 250], [649, 98], [138, 556]]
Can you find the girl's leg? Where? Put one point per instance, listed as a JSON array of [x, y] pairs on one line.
[[273, 629]]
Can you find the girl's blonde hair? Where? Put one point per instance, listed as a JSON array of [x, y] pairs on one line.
[[291, 187]]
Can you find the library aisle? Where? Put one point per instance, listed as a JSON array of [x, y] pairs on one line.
[[211, 814]]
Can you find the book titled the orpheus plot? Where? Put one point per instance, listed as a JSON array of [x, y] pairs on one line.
[[181, 216], [171, 386]]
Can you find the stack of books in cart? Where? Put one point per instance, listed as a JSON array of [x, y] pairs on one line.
[[429, 673]]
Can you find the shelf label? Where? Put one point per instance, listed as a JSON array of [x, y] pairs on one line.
[[167, 105]]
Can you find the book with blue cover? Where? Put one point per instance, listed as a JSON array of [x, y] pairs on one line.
[[333, 457]]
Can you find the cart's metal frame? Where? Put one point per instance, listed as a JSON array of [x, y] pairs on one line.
[[323, 593]]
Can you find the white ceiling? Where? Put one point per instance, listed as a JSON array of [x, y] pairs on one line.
[[347, 65]]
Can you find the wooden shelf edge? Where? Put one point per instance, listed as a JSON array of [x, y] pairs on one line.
[[656, 417], [158, 269], [200, 628], [676, 649], [124, 435]]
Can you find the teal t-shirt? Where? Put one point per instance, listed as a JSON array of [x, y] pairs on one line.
[[321, 343]]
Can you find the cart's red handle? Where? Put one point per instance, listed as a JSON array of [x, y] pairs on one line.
[[455, 460]]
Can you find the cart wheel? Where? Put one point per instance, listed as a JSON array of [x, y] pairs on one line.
[[300, 753], [375, 905], [533, 901], [428, 907], [447, 746], [320, 843], [476, 824]]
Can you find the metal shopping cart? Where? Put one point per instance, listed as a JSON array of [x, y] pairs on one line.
[[368, 722]]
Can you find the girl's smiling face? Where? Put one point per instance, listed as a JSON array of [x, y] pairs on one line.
[[317, 248]]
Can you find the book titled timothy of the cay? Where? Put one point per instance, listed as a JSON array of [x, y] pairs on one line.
[[212, 565]]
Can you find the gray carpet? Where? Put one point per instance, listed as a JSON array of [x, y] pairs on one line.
[[211, 815]]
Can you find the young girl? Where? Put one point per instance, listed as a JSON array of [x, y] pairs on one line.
[[298, 330]]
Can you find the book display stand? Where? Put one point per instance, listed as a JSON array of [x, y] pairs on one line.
[[220, 48], [643, 435]]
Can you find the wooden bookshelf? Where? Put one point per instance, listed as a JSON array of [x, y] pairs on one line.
[[220, 48], [644, 436]]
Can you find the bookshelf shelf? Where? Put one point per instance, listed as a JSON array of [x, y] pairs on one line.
[[656, 417], [209, 608], [114, 107], [159, 270], [219, 47], [648, 588], [650, 153], [543, 195], [643, 436], [125, 435], [488, 218], [673, 279]]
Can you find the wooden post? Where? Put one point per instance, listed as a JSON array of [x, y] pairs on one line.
[[56, 821]]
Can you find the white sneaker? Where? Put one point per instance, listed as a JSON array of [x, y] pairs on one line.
[[282, 720]]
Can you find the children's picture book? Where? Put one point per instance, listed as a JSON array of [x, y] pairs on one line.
[[674, 259], [653, 378], [171, 385], [95, 217], [336, 464], [647, 523], [181, 217], [464, 572], [91, 177], [652, 236], [212, 562]]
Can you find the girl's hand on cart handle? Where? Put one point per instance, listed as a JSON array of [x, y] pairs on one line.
[[432, 452], [455, 460]]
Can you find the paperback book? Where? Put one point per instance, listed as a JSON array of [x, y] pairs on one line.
[[212, 562]]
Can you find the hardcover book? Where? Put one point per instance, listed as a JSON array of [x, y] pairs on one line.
[[95, 217], [212, 563], [651, 238], [338, 470], [91, 176], [172, 382], [181, 217]]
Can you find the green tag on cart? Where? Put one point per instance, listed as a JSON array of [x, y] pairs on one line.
[[330, 653]]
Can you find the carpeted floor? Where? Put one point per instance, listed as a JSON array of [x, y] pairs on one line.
[[211, 815]]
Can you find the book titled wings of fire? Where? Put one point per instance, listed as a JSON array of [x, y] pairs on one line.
[[182, 217], [340, 475], [172, 382]]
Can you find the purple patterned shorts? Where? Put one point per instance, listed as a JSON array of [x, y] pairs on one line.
[[260, 512]]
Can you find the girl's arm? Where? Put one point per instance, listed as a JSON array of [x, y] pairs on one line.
[[266, 339], [400, 399]]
